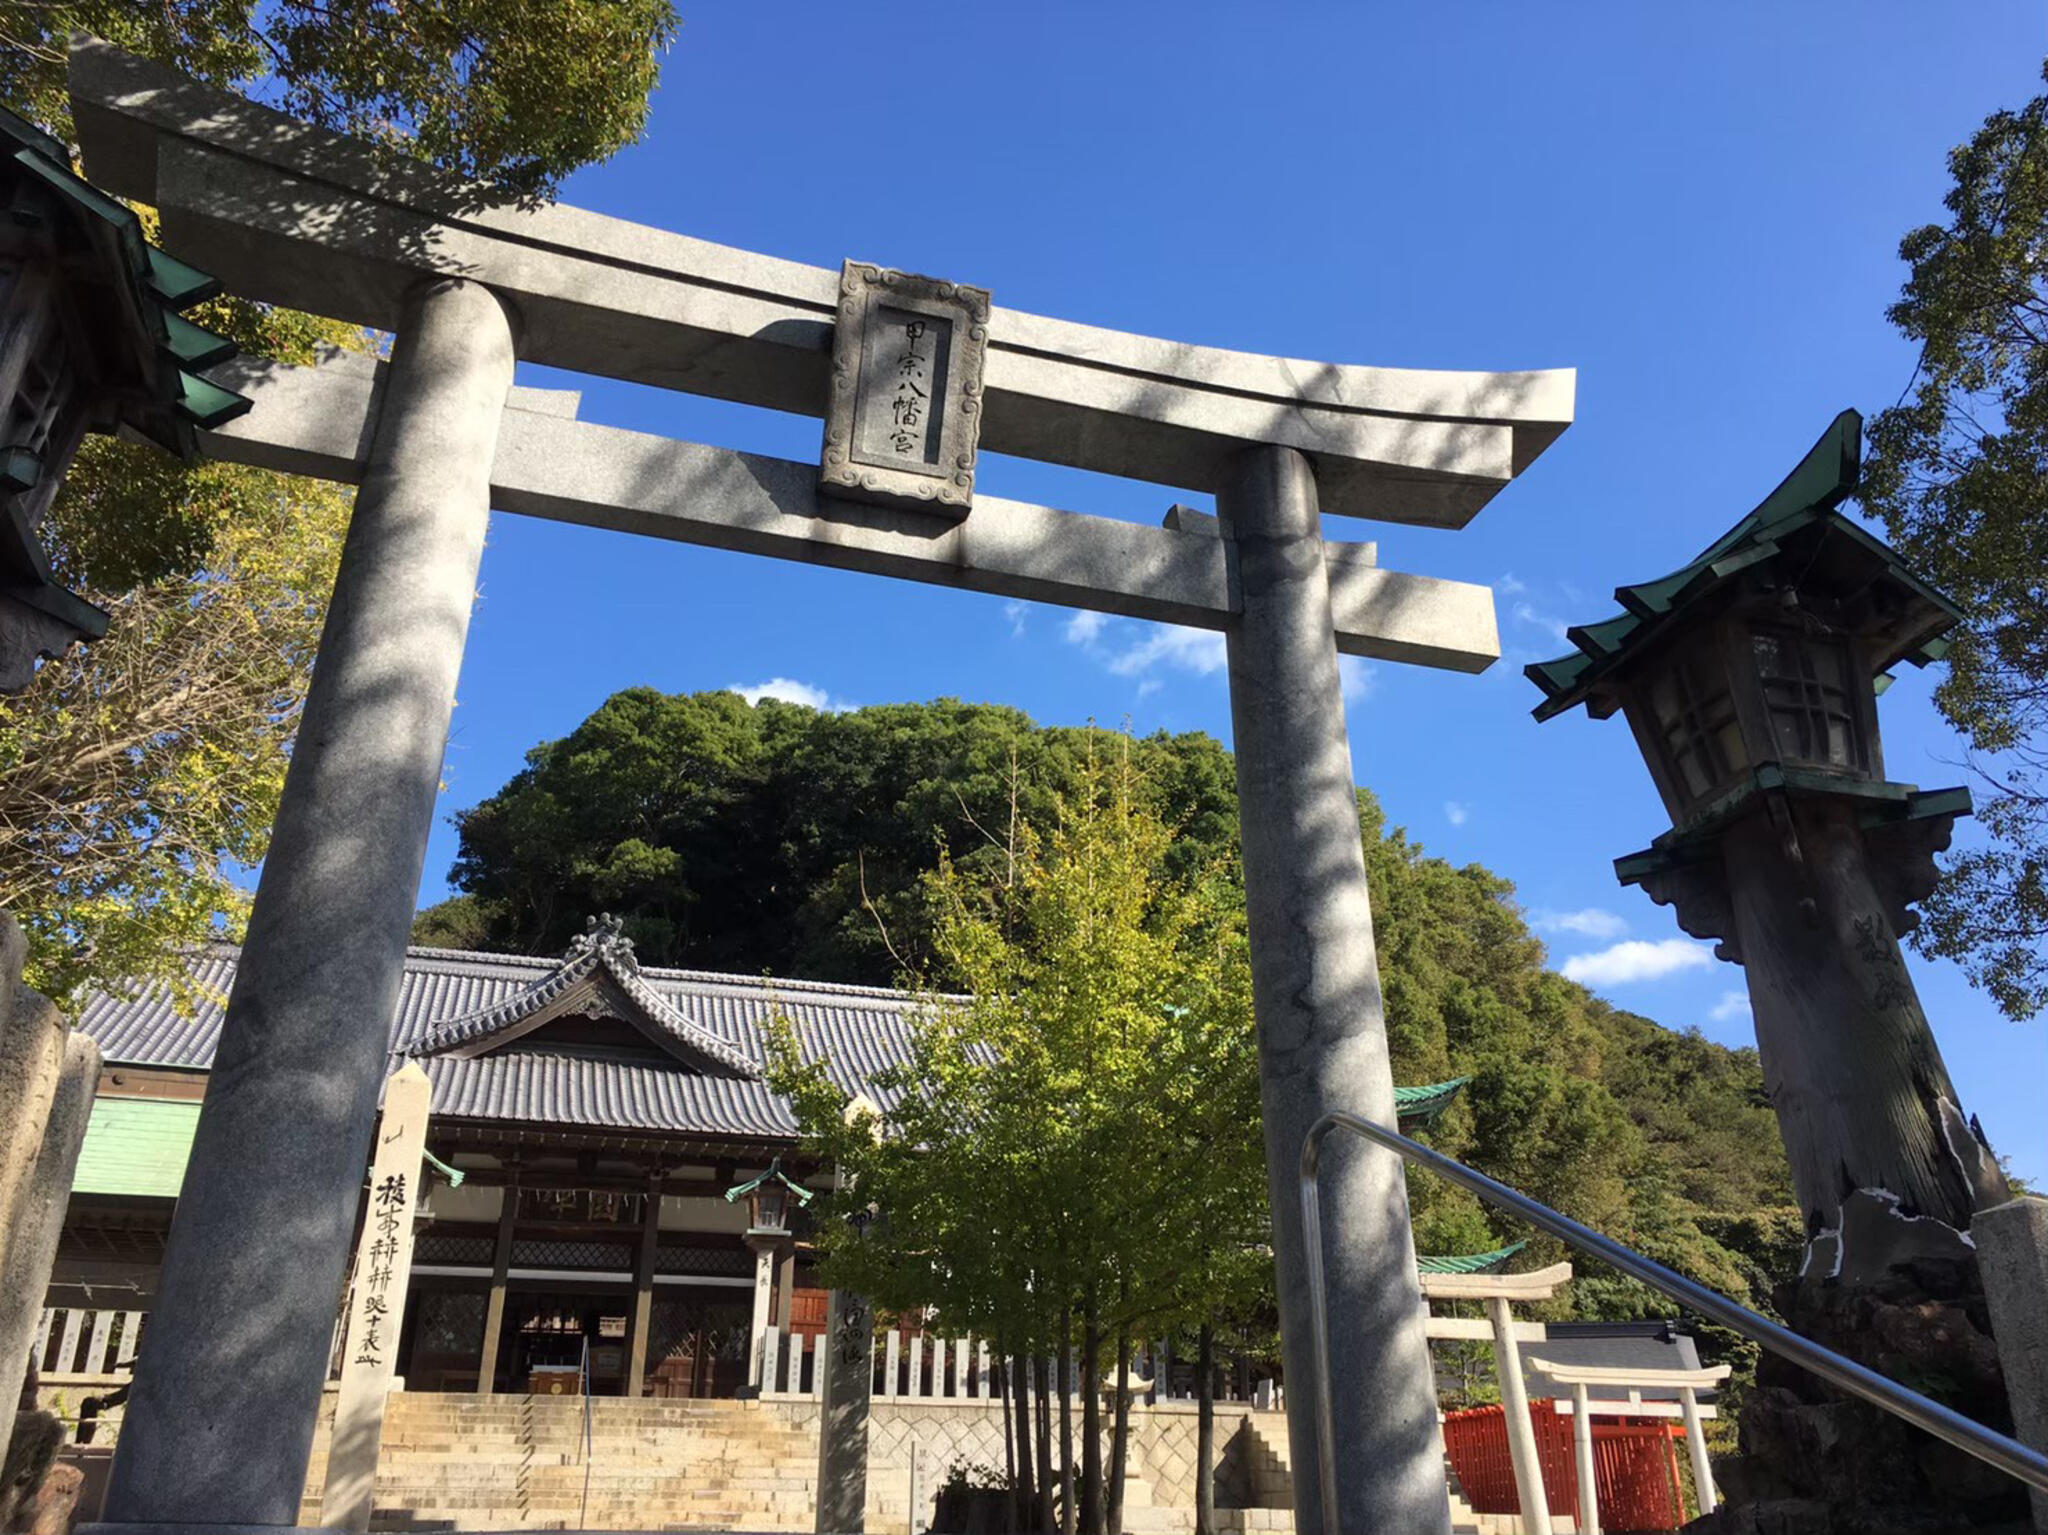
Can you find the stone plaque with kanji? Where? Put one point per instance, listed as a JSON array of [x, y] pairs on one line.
[[905, 411]]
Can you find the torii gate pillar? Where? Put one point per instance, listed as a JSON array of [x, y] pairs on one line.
[[220, 1426], [1322, 1033]]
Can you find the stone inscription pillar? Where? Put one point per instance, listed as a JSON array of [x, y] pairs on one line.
[[376, 1311], [846, 1371], [1322, 1036], [758, 1352], [220, 1426]]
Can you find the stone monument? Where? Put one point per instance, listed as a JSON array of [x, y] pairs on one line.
[[845, 1385], [291, 215]]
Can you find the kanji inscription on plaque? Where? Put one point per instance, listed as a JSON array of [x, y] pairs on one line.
[[905, 412]]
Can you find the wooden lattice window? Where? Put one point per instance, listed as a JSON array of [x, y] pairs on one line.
[[450, 1321], [1696, 717], [1807, 686]]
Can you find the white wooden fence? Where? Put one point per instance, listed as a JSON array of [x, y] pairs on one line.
[[79, 1347], [925, 1368]]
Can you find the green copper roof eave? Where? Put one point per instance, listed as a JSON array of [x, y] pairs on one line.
[[1811, 494], [1883, 803], [151, 285], [1468, 1263], [1424, 1104]]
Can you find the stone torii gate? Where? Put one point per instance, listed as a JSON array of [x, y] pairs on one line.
[[219, 1428]]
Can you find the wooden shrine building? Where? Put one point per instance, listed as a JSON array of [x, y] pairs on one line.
[[596, 1130]]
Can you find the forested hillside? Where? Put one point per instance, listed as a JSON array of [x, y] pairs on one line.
[[777, 838]]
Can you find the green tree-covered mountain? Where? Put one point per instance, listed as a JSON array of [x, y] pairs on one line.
[[777, 838]]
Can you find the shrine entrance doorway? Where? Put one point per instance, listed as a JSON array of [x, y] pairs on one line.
[[697, 1344]]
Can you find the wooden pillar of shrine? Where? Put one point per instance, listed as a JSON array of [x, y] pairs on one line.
[[643, 1288], [501, 1267]]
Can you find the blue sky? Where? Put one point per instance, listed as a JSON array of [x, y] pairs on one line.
[[1697, 207]]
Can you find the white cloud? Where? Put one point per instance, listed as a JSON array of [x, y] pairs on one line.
[[1085, 628], [1535, 618], [1589, 922], [1636, 960], [1200, 651], [1733, 1005], [1014, 612], [1359, 678], [1508, 586], [790, 691], [1456, 813]]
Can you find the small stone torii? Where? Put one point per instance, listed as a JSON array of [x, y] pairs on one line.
[[219, 1428]]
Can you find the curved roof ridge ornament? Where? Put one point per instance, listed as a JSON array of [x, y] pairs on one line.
[[600, 954]]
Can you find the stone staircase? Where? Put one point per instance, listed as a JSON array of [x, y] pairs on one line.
[[1272, 1480], [511, 1462], [455, 1463]]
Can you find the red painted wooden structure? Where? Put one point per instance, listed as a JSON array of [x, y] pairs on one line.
[[1635, 1466]]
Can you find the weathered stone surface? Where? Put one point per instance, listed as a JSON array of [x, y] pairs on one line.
[[1806, 1447], [31, 1450], [31, 1249], [31, 1055], [288, 213], [2012, 1257], [1322, 1033], [53, 1506], [220, 1424]]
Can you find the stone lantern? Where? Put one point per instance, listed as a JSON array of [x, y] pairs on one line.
[[90, 341], [1750, 679], [768, 1204], [773, 1241]]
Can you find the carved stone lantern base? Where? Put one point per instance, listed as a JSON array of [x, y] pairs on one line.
[[1815, 1462]]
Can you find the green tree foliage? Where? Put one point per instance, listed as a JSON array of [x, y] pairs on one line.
[[512, 93], [775, 837], [1958, 473], [1077, 1136], [141, 771], [135, 774]]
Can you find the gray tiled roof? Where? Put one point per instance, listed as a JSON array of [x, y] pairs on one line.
[[856, 1030], [1613, 1346]]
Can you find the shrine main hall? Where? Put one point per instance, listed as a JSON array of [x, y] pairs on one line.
[[609, 1177]]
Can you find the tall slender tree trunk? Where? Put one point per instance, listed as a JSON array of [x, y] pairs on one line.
[[1068, 1511], [1205, 1431], [1120, 1431], [1040, 1372], [1091, 1419], [1010, 1466], [1027, 1481]]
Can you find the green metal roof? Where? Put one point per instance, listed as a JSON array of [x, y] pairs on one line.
[[1470, 1263], [1808, 497], [1423, 1106], [166, 350], [136, 1146]]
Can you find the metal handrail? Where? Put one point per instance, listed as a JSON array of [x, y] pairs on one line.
[[1967, 1435]]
